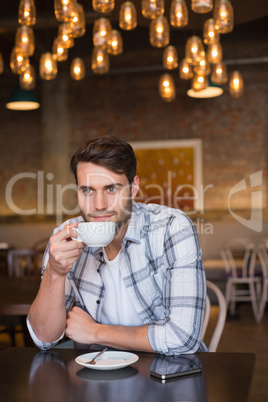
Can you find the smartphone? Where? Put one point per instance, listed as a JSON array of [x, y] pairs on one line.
[[167, 376], [167, 367]]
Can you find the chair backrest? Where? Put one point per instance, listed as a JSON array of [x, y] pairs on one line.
[[24, 262], [239, 254], [216, 335], [262, 253]]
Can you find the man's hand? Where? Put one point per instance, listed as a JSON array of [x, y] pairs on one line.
[[63, 251], [80, 327]]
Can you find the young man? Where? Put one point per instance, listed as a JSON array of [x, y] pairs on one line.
[[145, 291]]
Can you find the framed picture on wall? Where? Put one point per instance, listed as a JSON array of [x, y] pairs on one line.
[[170, 173]]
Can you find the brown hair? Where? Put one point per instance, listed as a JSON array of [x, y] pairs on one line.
[[109, 152]]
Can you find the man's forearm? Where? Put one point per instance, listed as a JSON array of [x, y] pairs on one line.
[[47, 314]]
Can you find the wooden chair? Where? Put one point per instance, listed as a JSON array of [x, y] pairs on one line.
[[218, 329], [262, 253], [24, 262], [243, 282]]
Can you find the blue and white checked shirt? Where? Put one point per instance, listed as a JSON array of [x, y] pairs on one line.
[[163, 272]]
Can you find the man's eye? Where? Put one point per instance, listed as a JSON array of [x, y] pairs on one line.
[[87, 191], [111, 189]]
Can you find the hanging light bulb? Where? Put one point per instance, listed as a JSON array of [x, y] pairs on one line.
[[236, 84], [203, 66], [76, 27], [167, 88], [78, 70], [103, 6], [27, 78], [202, 6], [210, 35], [58, 51], [159, 32], [170, 58], [17, 61], [100, 62], [115, 43], [24, 40], [48, 67], [63, 34], [214, 53], [63, 9], [185, 70], [219, 73], [193, 50], [127, 16], [223, 15], [102, 29], [152, 8], [199, 82], [178, 13], [27, 13], [1, 63]]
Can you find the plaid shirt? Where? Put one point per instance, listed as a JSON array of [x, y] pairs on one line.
[[162, 271]]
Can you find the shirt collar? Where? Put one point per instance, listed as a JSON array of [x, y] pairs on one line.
[[133, 233]]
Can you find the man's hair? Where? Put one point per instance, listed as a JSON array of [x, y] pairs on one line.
[[107, 151]]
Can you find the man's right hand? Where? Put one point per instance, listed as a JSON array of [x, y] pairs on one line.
[[63, 251]]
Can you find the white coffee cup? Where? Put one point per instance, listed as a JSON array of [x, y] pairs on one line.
[[95, 234]]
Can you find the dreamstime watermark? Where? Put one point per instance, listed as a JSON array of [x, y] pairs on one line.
[[50, 197]]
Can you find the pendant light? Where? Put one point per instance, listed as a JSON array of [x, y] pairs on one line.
[[152, 8], [63, 9], [48, 67], [58, 51], [214, 53], [21, 99], [24, 40], [185, 70], [194, 50], [100, 62], [78, 70], [64, 35], [27, 78], [159, 32], [167, 88], [102, 29], [210, 35], [199, 82], [17, 61], [236, 84], [103, 6], [115, 43], [203, 66], [178, 13], [27, 13], [211, 91], [76, 27], [170, 57], [223, 15], [127, 16], [219, 73], [202, 6]]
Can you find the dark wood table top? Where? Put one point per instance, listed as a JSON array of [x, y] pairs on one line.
[[17, 294], [27, 374]]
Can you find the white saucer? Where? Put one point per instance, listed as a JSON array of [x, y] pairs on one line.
[[110, 360]]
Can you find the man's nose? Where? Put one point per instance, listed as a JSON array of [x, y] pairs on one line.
[[100, 201]]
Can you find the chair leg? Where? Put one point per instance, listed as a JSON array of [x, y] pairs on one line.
[[254, 301], [263, 301], [228, 296]]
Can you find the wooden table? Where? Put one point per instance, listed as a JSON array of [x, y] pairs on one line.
[[29, 375], [17, 294]]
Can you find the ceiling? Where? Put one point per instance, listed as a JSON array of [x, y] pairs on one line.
[[250, 26]]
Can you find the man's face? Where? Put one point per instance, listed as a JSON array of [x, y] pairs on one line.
[[104, 195]]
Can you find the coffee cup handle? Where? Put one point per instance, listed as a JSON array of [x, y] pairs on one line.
[[78, 238]]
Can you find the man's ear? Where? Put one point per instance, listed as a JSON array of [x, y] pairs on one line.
[[135, 186]]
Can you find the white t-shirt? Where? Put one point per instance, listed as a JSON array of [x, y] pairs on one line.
[[117, 307]]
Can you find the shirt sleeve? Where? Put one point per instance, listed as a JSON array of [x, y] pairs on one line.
[[40, 344], [184, 293]]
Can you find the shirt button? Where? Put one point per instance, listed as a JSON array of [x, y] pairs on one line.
[[98, 301], [101, 253], [98, 270]]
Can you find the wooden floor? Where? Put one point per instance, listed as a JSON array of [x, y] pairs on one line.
[[241, 334]]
